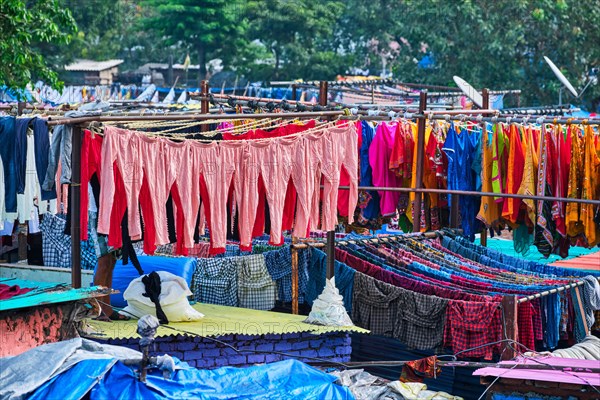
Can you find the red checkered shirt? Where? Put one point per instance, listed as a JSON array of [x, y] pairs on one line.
[[526, 335], [473, 324]]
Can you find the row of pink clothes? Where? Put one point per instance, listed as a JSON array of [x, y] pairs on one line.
[[140, 172]]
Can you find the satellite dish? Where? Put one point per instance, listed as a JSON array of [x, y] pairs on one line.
[[469, 91], [561, 77]]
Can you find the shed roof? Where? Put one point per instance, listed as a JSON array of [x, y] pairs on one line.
[[93, 66]]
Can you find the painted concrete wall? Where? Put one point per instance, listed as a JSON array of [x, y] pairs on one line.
[[206, 353], [25, 329], [43, 274]]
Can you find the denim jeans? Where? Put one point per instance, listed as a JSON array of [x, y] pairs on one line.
[[9, 162], [21, 151], [42, 149], [60, 146]]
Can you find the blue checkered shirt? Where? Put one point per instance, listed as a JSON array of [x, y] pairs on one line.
[[215, 281], [279, 265]]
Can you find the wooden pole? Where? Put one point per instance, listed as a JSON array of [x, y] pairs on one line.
[[323, 93], [294, 92], [330, 234], [420, 160], [486, 105], [204, 90], [76, 208], [509, 305], [576, 294]]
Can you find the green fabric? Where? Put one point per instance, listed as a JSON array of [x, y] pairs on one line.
[[220, 321], [45, 293]]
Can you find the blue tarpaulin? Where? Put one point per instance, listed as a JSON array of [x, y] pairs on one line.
[[288, 379], [81, 368]]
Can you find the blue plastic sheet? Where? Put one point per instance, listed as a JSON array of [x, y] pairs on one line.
[[124, 274], [75, 382], [289, 379]]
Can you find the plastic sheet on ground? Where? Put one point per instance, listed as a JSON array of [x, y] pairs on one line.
[[289, 379], [365, 386], [75, 368], [45, 365]]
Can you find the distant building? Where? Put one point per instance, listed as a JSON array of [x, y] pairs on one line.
[[89, 72]]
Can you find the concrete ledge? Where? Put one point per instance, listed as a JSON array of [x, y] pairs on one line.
[[43, 274]]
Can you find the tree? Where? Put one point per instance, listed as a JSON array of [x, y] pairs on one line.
[[23, 25], [294, 31], [497, 44], [204, 25]]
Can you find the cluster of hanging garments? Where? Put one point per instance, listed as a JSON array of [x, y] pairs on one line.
[[170, 188], [445, 293], [548, 160], [209, 180]]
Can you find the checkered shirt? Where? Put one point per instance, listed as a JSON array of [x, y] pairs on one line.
[[56, 246], [421, 318], [375, 304], [215, 281], [525, 323], [472, 324], [279, 265], [256, 289]]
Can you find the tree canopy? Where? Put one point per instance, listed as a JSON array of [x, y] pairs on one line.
[[499, 44], [23, 26]]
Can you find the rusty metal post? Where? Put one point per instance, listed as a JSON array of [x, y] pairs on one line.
[[204, 106], [294, 251], [509, 306], [323, 87], [486, 106], [421, 122]]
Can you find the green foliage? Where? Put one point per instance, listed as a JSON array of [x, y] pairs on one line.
[[295, 32], [204, 26], [23, 25], [497, 44]]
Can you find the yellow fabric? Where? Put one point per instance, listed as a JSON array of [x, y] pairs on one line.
[[222, 320], [591, 190], [528, 184], [488, 212], [413, 180]]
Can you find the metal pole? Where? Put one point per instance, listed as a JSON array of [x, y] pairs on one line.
[[421, 122], [294, 92], [76, 208], [330, 254], [480, 194], [486, 104]]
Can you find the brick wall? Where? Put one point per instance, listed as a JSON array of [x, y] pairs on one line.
[[24, 329], [205, 353]]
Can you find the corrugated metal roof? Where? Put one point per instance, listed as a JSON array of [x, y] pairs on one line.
[[47, 293], [562, 370], [222, 320], [91, 65], [151, 66]]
